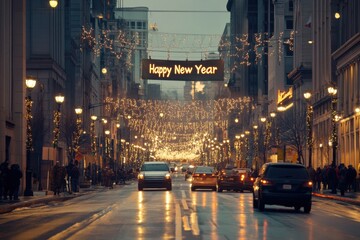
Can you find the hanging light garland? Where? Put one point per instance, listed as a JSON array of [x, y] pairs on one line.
[[28, 117], [56, 131]]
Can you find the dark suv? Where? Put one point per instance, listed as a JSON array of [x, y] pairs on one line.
[[283, 184]]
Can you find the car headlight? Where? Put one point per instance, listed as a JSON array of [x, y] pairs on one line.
[[167, 176], [141, 176]]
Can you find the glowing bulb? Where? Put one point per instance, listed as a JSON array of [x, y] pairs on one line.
[[53, 3]]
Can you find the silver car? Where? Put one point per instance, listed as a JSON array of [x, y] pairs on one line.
[[154, 175]]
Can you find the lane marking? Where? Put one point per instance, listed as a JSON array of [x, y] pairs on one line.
[[183, 194], [70, 231], [186, 223], [194, 224], [185, 206], [178, 227]]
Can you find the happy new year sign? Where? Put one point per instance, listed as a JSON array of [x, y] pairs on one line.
[[205, 70]]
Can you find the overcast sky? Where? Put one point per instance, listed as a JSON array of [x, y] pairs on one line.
[[183, 24]]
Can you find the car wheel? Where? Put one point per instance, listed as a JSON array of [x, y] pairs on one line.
[[140, 188], [192, 189], [214, 188], [169, 188], [219, 189], [297, 208], [307, 207], [255, 202], [261, 204]]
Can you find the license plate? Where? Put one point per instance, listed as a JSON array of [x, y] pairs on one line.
[[287, 186], [231, 179]]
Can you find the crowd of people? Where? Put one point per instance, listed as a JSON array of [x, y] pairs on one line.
[[9, 181], [334, 178]]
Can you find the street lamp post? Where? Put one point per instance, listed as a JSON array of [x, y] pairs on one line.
[[59, 99], [77, 134], [30, 84], [309, 119], [333, 91]]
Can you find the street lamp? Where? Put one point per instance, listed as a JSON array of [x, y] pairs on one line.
[[59, 99], [309, 120], [30, 84], [332, 92], [53, 3]]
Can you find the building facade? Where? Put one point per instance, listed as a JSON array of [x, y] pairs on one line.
[[12, 83]]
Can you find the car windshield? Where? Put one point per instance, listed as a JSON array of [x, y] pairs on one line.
[[291, 172], [154, 167], [204, 170]]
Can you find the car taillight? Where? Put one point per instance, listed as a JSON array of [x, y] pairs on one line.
[[308, 184], [265, 182], [252, 179], [196, 175]]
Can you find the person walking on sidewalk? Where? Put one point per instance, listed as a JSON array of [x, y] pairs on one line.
[[318, 179], [15, 175], [75, 174], [4, 179], [342, 179], [332, 179], [351, 178], [59, 174]]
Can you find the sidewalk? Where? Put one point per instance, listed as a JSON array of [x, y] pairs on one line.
[[41, 198], [349, 197]]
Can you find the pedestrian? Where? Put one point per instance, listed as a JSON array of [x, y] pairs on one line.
[[342, 178], [324, 173], [15, 175], [312, 173], [59, 174], [351, 178], [68, 176], [318, 179], [75, 174], [332, 179], [4, 179]]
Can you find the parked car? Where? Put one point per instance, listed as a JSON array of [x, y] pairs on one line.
[[154, 175], [283, 184], [203, 177]]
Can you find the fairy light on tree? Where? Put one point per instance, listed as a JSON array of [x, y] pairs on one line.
[[59, 99]]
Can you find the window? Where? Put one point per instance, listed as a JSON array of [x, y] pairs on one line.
[[289, 23], [291, 6]]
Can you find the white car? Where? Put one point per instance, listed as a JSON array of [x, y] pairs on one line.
[[154, 175]]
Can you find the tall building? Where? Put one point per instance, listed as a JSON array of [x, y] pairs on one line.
[[323, 27], [301, 74], [137, 26], [12, 83], [347, 68]]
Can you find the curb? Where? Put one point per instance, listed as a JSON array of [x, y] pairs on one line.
[[343, 199], [27, 203]]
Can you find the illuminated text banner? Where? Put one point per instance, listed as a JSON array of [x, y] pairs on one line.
[[206, 70]]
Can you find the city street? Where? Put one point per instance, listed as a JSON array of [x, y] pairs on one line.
[[126, 213]]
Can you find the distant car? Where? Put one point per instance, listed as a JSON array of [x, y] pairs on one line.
[[189, 172], [283, 184], [154, 175], [229, 179], [203, 177], [246, 177]]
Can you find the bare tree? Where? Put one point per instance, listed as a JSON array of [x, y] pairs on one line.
[[292, 131]]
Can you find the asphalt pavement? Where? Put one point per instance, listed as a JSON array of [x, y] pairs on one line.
[[41, 198]]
